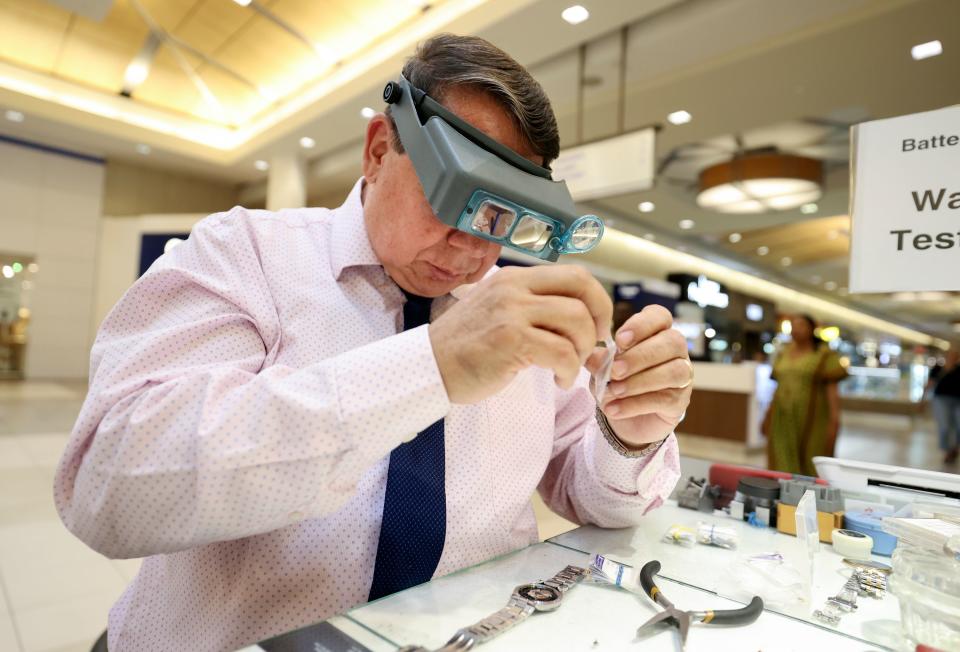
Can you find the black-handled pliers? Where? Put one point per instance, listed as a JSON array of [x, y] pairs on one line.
[[672, 616]]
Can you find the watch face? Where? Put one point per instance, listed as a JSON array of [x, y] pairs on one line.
[[541, 596]]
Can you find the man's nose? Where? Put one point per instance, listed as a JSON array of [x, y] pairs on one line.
[[472, 245]]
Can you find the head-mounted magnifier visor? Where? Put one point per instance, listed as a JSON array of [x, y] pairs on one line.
[[479, 186]]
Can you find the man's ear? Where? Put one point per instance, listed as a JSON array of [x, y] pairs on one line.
[[376, 146]]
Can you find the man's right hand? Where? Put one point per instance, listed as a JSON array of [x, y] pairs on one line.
[[550, 317]]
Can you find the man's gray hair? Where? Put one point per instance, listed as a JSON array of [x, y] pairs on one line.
[[447, 60]]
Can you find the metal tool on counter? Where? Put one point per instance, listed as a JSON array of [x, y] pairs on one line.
[[673, 617], [699, 495]]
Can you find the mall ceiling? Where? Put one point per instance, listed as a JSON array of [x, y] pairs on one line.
[[753, 73], [211, 60]]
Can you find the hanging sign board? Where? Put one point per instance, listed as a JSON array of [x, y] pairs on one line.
[[610, 167], [905, 203]]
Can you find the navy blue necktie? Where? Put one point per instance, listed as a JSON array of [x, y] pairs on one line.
[[415, 506]]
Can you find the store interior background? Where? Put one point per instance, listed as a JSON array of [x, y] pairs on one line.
[[94, 184]]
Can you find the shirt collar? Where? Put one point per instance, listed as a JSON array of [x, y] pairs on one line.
[[350, 246]]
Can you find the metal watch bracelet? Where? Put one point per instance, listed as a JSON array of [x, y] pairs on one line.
[[517, 610], [618, 445]]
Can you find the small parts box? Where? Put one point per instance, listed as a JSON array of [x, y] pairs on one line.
[[827, 522]]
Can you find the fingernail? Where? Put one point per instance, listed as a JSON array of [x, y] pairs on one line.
[[619, 368], [612, 410], [617, 388], [624, 338]]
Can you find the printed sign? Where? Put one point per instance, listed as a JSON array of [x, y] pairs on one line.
[[905, 203], [608, 167]]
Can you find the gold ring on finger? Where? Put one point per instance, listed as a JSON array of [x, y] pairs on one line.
[[690, 380]]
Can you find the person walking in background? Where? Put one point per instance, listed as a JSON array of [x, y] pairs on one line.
[[804, 417], [946, 405]]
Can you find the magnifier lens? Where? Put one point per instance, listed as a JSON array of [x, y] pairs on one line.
[[493, 219], [531, 234], [585, 235]]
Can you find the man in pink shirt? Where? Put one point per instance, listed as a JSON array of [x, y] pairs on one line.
[[262, 401]]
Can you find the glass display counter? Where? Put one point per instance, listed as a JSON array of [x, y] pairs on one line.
[[596, 616]]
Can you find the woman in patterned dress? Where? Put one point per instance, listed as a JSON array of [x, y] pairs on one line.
[[804, 417]]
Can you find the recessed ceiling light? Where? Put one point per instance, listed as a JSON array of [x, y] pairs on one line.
[[243, 3], [926, 50], [14, 116], [646, 206], [575, 14], [307, 142], [136, 73], [144, 149], [830, 286], [679, 118], [710, 332], [686, 225], [763, 250], [366, 113], [261, 165], [649, 236], [809, 209], [7, 271], [786, 261], [734, 238]]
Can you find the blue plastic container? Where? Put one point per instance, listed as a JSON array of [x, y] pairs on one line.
[[871, 525]]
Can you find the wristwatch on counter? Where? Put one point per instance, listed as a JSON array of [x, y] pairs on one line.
[[618, 445], [525, 601]]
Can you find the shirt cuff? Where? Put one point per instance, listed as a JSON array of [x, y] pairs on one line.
[[651, 477], [392, 381]]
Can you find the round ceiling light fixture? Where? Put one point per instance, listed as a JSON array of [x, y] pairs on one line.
[[757, 183]]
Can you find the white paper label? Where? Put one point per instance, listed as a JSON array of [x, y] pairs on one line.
[[906, 203]]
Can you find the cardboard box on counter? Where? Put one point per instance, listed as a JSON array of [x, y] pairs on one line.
[[827, 522]]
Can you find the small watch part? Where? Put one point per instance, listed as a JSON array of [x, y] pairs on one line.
[[526, 600], [828, 615], [872, 582], [846, 600]]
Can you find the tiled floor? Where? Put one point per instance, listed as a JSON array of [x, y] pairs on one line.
[[55, 592]]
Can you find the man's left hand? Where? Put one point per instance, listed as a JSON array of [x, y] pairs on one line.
[[651, 381]]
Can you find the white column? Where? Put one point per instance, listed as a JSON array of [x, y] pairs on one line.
[[287, 182]]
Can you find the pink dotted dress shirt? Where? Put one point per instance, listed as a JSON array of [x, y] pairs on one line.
[[245, 395]]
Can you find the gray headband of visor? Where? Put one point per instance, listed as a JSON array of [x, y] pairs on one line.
[[477, 185]]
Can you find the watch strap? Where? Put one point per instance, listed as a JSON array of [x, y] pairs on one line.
[[496, 623], [618, 445]]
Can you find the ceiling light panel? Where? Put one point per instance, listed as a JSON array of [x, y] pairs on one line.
[[575, 14], [926, 50], [679, 118]]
